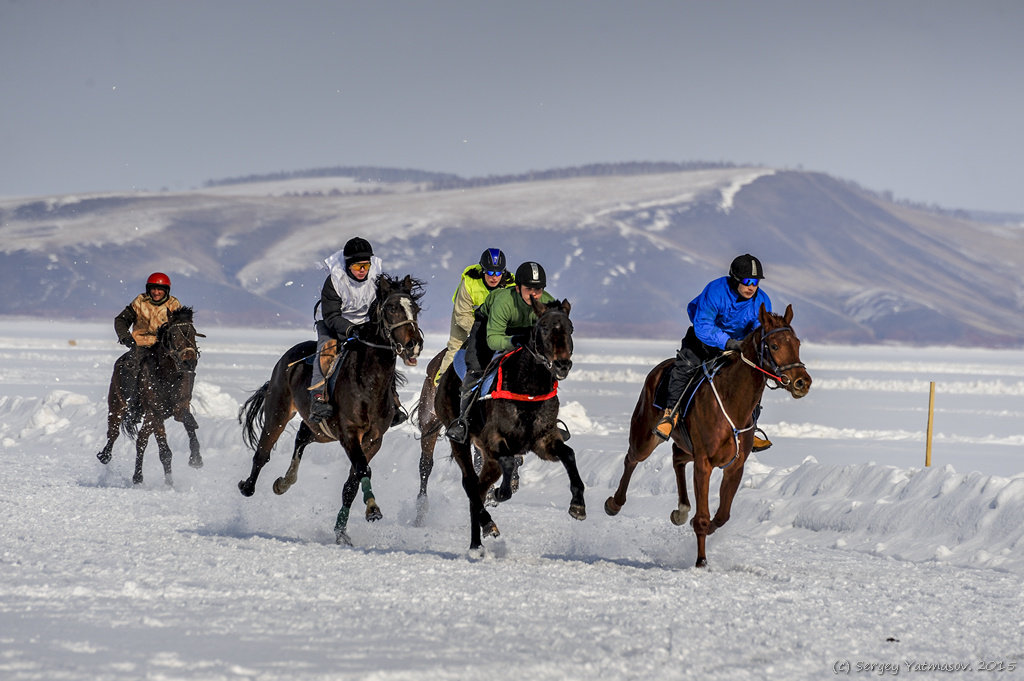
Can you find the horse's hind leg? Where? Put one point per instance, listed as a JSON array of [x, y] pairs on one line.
[[302, 438], [679, 460], [428, 441], [141, 440], [165, 451], [731, 478], [637, 452], [268, 438]]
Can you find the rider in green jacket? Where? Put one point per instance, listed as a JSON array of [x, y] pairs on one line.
[[504, 321]]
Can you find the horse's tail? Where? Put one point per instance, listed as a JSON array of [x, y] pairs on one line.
[[252, 411], [132, 417]]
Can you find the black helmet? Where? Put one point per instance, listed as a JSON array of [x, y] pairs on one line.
[[492, 259], [357, 249], [531, 275], [746, 266]]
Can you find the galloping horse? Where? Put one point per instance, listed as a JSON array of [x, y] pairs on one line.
[[520, 416], [166, 373], [361, 396], [719, 422]]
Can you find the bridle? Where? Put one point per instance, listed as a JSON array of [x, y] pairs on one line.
[[178, 356], [387, 329], [767, 358], [546, 362]]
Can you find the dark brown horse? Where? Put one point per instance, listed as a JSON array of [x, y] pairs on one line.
[[523, 417], [167, 371], [361, 397], [720, 422]]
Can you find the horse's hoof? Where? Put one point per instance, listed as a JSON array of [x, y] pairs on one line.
[[490, 530], [500, 495], [280, 487], [679, 517], [104, 457], [373, 514], [195, 461], [341, 538], [168, 481], [610, 507], [137, 479], [475, 553], [245, 488], [422, 506], [490, 499], [578, 511], [702, 563]]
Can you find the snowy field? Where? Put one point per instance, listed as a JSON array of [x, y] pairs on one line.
[[844, 553]]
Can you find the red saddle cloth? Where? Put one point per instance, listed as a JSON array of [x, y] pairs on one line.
[[500, 392]]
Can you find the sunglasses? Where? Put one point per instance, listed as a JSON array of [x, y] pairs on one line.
[[494, 273], [359, 267], [749, 282]]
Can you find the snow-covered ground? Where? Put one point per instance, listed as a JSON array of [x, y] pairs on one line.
[[844, 553]]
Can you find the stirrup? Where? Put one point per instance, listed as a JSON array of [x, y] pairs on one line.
[[319, 408], [458, 431], [760, 443], [400, 416], [663, 433]]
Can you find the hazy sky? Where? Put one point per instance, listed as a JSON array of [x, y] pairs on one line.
[[924, 98]]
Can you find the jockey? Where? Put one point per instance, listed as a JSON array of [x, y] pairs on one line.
[[477, 283], [723, 314], [345, 301], [137, 323], [504, 322]]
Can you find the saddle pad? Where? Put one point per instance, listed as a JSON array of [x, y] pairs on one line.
[[459, 362]]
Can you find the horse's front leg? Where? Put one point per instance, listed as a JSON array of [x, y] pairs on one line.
[[702, 520], [141, 440], [679, 460], [348, 495], [731, 478], [114, 418], [480, 521], [195, 459], [359, 476], [555, 447]]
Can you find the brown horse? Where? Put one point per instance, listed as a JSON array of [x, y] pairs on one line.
[[524, 417], [719, 422], [361, 397], [167, 371]]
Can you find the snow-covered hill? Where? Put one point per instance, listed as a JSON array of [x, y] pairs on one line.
[[629, 250]]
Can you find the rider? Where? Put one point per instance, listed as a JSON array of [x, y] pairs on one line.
[[345, 300], [137, 323], [477, 283], [504, 321], [723, 314]]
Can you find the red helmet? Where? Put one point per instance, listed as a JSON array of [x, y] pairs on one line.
[[159, 279]]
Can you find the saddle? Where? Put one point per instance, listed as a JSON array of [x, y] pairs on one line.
[[706, 370], [491, 385]]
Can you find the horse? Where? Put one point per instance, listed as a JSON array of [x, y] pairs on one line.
[[361, 396], [430, 428], [167, 371], [769, 352], [520, 416]]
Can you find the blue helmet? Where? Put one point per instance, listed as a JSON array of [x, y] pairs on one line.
[[492, 260]]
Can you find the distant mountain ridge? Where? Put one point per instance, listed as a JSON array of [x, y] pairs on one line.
[[628, 248]]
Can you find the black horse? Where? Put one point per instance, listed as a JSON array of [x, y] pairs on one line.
[[520, 416], [361, 396], [167, 371]]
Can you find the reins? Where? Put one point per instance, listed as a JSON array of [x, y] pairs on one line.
[[782, 381]]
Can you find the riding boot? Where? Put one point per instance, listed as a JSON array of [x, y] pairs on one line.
[[683, 371], [666, 424], [458, 430], [319, 406], [760, 443]]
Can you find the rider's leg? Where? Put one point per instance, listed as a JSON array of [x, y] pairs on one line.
[[683, 370], [319, 405], [760, 443], [458, 430]]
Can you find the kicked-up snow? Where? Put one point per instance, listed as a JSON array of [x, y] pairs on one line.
[[844, 552]]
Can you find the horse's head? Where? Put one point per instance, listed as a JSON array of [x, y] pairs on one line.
[[177, 337], [396, 312], [779, 352], [552, 336]]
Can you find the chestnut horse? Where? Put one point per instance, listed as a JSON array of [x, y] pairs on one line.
[[361, 397], [167, 371], [719, 421], [521, 416]]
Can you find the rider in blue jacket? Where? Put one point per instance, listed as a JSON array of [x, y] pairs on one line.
[[724, 313]]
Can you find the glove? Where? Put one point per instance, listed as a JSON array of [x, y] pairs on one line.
[[733, 344], [352, 331], [519, 339], [128, 342]]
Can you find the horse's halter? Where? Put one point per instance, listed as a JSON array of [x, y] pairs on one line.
[[181, 363], [767, 358], [387, 328]]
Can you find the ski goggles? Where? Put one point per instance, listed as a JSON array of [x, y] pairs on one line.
[[494, 273], [360, 267], [750, 281]]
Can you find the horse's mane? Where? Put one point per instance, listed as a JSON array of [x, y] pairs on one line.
[[392, 282], [181, 315]]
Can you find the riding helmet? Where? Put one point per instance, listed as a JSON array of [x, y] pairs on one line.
[[492, 259], [531, 275], [159, 280], [746, 266], [357, 249]]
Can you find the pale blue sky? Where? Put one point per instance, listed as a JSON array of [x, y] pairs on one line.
[[923, 98]]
